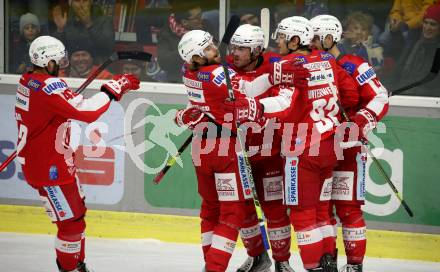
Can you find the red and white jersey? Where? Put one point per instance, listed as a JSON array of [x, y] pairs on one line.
[[256, 139], [43, 106], [311, 115], [373, 95]]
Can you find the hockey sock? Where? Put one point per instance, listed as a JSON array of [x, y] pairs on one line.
[[327, 226], [353, 232], [68, 243], [232, 215], [251, 235], [209, 213], [279, 230], [308, 235]]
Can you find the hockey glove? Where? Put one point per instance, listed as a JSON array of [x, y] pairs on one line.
[[365, 122], [289, 73], [190, 117], [119, 85], [245, 109]]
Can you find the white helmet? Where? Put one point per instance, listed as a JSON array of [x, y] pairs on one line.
[[193, 43], [248, 36], [324, 25], [295, 26], [46, 48]]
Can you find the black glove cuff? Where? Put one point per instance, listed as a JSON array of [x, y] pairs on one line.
[[108, 93]]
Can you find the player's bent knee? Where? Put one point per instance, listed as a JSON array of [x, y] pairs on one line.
[[349, 213]]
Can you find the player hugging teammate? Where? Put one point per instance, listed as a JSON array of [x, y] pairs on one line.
[[300, 90]]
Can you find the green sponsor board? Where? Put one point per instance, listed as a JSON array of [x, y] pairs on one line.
[[410, 154]]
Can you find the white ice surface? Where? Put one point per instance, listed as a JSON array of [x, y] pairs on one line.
[[34, 253]]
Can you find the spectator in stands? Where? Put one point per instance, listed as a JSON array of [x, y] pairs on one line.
[[417, 62], [84, 23], [29, 30], [357, 39], [186, 16], [81, 64], [249, 18], [404, 25]]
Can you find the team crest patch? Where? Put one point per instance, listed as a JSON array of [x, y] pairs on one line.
[[34, 84], [274, 59], [326, 56], [349, 67]]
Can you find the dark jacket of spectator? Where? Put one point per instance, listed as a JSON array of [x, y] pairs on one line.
[[417, 62], [98, 33]]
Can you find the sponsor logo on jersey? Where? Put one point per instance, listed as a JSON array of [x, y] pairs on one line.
[[316, 66], [300, 59], [273, 188], [361, 161], [245, 182], [192, 83], [34, 84], [317, 93], [226, 186], [349, 67], [326, 56], [195, 95], [326, 190], [54, 85], [59, 201], [274, 59], [23, 90], [22, 102], [53, 172], [354, 234], [292, 181], [219, 75], [367, 76], [204, 76], [342, 188]]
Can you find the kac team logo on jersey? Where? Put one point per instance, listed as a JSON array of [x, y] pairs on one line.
[[349, 67]]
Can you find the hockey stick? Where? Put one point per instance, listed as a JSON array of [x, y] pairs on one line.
[[121, 55], [365, 143], [265, 25], [225, 41], [229, 31], [432, 74]]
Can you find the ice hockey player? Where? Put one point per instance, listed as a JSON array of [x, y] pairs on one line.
[[348, 192], [223, 183], [310, 116], [248, 59], [44, 105]]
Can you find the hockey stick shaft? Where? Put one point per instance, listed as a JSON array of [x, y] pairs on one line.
[[234, 22], [137, 55], [370, 154], [172, 160], [431, 76]]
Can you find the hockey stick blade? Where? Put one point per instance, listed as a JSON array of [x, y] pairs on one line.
[[265, 25], [432, 74]]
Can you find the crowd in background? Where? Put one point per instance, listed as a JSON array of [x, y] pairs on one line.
[[398, 37]]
